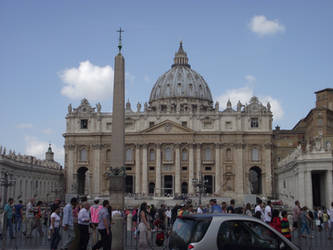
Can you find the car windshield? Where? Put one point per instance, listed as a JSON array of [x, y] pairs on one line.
[[187, 230]]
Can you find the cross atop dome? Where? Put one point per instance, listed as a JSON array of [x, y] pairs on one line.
[[181, 58]]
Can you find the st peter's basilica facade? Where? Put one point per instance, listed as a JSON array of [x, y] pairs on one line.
[[179, 135]]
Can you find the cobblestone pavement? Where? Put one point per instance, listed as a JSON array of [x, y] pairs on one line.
[[319, 242]]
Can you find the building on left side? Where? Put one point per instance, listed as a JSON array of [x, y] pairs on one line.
[[30, 177]]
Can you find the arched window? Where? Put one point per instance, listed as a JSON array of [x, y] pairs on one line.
[[151, 155], [228, 153], [184, 155], [83, 155], [108, 155], [168, 154], [208, 154], [255, 180], [129, 154], [255, 154]]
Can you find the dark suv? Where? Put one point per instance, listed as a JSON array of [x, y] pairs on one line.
[[222, 231]]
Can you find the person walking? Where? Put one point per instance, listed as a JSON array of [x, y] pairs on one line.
[[296, 218], [18, 216], [8, 210], [55, 227], [83, 223], [268, 213], [285, 228], [258, 210], [104, 228], [231, 208], [248, 210], [304, 220], [29, 218], [94, 211], [68, 224], [37, 219], [144, 227], [214, 208]]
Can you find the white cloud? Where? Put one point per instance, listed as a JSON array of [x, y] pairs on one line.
[[147, 79], [89, 81], [24, 125], [37, 148], [47, 131], [250, 78], [244, 95], [262, 26]]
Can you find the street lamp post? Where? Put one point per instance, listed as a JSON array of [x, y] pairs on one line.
[[201, 185], [6, 182]]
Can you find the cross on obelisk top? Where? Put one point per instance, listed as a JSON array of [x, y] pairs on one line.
[[119, 45]]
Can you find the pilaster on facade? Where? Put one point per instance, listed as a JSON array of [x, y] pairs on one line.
[[144, 170], [191, 169], [198, 160], [217, 168], [158, 169], [177, 168], [137, 169]]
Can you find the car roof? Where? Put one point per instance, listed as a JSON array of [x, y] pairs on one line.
[[204, 216]]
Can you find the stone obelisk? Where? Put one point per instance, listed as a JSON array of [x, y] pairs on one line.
[[117, 173]]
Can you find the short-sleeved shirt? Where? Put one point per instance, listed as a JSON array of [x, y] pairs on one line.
[[103, 214], [9, 211], [216, 209], [18, 208], [29, 210], [267, 217], [56, 220]]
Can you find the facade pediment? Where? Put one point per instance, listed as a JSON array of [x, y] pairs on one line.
[[168, 127]]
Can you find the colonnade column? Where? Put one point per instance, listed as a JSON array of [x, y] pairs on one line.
[[158, 170], [239, 188], [137, 169], [144, 170], [329, 188], [177, 172], [97, 169], [70, 180], [198, 161], [268, 170], [308, 189], [217, 168], [191, 170]]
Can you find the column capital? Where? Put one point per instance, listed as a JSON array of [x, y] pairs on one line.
[[70, 146]]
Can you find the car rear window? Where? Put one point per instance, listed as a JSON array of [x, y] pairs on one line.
[[188, 230]]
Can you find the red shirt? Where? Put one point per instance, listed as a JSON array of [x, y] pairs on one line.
[[276, 224]]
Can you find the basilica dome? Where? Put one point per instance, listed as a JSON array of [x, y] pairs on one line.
[[181, 83]]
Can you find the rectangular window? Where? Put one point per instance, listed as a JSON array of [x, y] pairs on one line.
[[184, 168], [108, 125], [84, 124], [128, 169], [254, 123], [184, 124], [151, 124], [255, 154], [151, 168]]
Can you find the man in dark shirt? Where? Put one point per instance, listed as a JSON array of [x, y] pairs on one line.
[[18, 216], [231, 208]]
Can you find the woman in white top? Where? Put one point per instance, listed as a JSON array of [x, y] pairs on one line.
[[54, 227]]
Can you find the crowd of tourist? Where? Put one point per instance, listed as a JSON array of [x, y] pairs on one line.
[[80, 221]]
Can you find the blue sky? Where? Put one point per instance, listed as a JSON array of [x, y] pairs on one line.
[[53, 53]]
